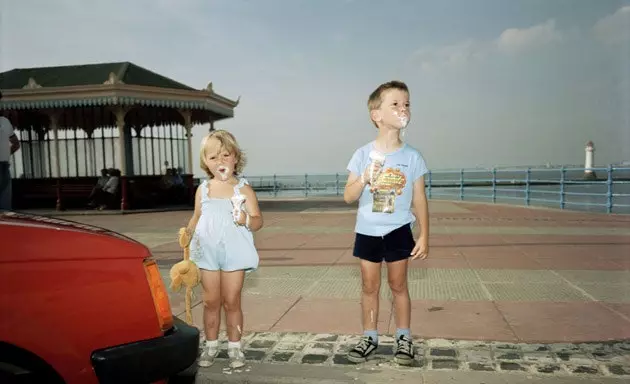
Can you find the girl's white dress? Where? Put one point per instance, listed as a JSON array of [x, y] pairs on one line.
[[218, 243]]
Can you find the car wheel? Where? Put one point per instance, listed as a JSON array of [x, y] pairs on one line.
[[187, 376], [18, 366]]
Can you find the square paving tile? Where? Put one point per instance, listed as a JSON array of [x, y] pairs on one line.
[[622, 308], [481, 252], [330, 241], [612, 293], [289, 272], [435, 262], [441, 253], [318, 315], [515, 275], [514, 262], [441, 241], [595, 276], [472, 320], [464, 241], [457, 275], [446, 207], [559, 322], [350, 272], [279, 287], [546, 251], [580, 263], [347, 259], [315, 256], [493, 230], [284, 241], [435, 290], [260, 313], [342, 289], [534, 292], [533, 240], [603, 248], [272, 254]]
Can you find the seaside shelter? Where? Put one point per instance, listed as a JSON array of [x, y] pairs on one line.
[[75, 121]]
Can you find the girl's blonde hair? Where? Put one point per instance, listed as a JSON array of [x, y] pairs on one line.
[[227, 142]]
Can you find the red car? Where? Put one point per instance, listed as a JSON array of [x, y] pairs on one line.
[[82, 304]]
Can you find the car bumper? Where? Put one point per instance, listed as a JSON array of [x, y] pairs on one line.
[[151, 360]]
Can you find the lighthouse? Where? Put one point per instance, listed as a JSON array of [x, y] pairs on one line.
[[589, 162]]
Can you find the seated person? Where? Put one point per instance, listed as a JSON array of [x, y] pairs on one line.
[[107, 195], [100, 183]]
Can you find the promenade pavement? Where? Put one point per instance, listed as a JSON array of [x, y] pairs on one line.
[[505, 288]]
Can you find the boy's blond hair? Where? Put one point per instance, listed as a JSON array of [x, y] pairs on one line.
[[375, 99], [227, 141]]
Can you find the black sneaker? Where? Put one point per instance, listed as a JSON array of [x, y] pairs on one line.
[[362, 350], [403, 351]]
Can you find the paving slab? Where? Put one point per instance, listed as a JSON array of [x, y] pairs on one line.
[[556, 321], [509, 274], [472, 320]]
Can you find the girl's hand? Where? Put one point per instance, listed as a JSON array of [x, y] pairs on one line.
[[242, 219]]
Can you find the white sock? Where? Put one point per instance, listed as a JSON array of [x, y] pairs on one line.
[[212, 343], [234, 344]]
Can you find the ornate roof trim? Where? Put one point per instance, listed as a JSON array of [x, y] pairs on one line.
[[113, 92]]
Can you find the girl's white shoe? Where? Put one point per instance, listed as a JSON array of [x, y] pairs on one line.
[[209, 353], [237, 357]]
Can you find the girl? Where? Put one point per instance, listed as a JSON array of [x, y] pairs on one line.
[[223, 244]]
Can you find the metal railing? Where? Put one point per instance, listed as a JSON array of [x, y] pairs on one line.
[[600, 190]]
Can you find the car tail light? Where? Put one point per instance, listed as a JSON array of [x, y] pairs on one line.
[[160, 295]]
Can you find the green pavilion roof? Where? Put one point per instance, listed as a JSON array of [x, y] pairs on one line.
[[87, 74], [107, 84]]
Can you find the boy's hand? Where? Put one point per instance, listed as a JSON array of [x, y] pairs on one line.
[[421, 250], [366, 173]]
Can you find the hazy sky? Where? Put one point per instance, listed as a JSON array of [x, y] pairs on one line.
[[493, 82]]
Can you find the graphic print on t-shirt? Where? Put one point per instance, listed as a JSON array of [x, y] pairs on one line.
[[388, 185]]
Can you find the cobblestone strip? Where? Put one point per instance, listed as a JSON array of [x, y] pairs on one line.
[[584, 359]]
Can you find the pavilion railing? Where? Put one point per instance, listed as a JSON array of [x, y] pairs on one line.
[[599, 190], [83, 156]]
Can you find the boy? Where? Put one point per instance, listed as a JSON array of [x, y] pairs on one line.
[[387, 209]]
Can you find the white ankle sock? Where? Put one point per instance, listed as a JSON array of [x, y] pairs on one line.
[[212, 343], [234, 344]]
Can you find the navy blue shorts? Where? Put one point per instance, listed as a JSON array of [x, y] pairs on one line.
[[396, 245]]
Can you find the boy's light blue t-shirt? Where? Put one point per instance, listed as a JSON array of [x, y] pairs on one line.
[[407, 160]]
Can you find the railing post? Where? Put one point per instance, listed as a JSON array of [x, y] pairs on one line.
[[527, 184], [337, 183], [461, 184], [275, 186], [494, 185], [306, 185], [562, 176], [609, 192], [429, 184]]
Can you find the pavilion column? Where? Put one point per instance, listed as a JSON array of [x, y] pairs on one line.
[[187, 115], [211, 126], [54, 125], [91, 155], [120, 114]]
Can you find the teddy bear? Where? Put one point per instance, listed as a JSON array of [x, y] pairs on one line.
[[185, 272]]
